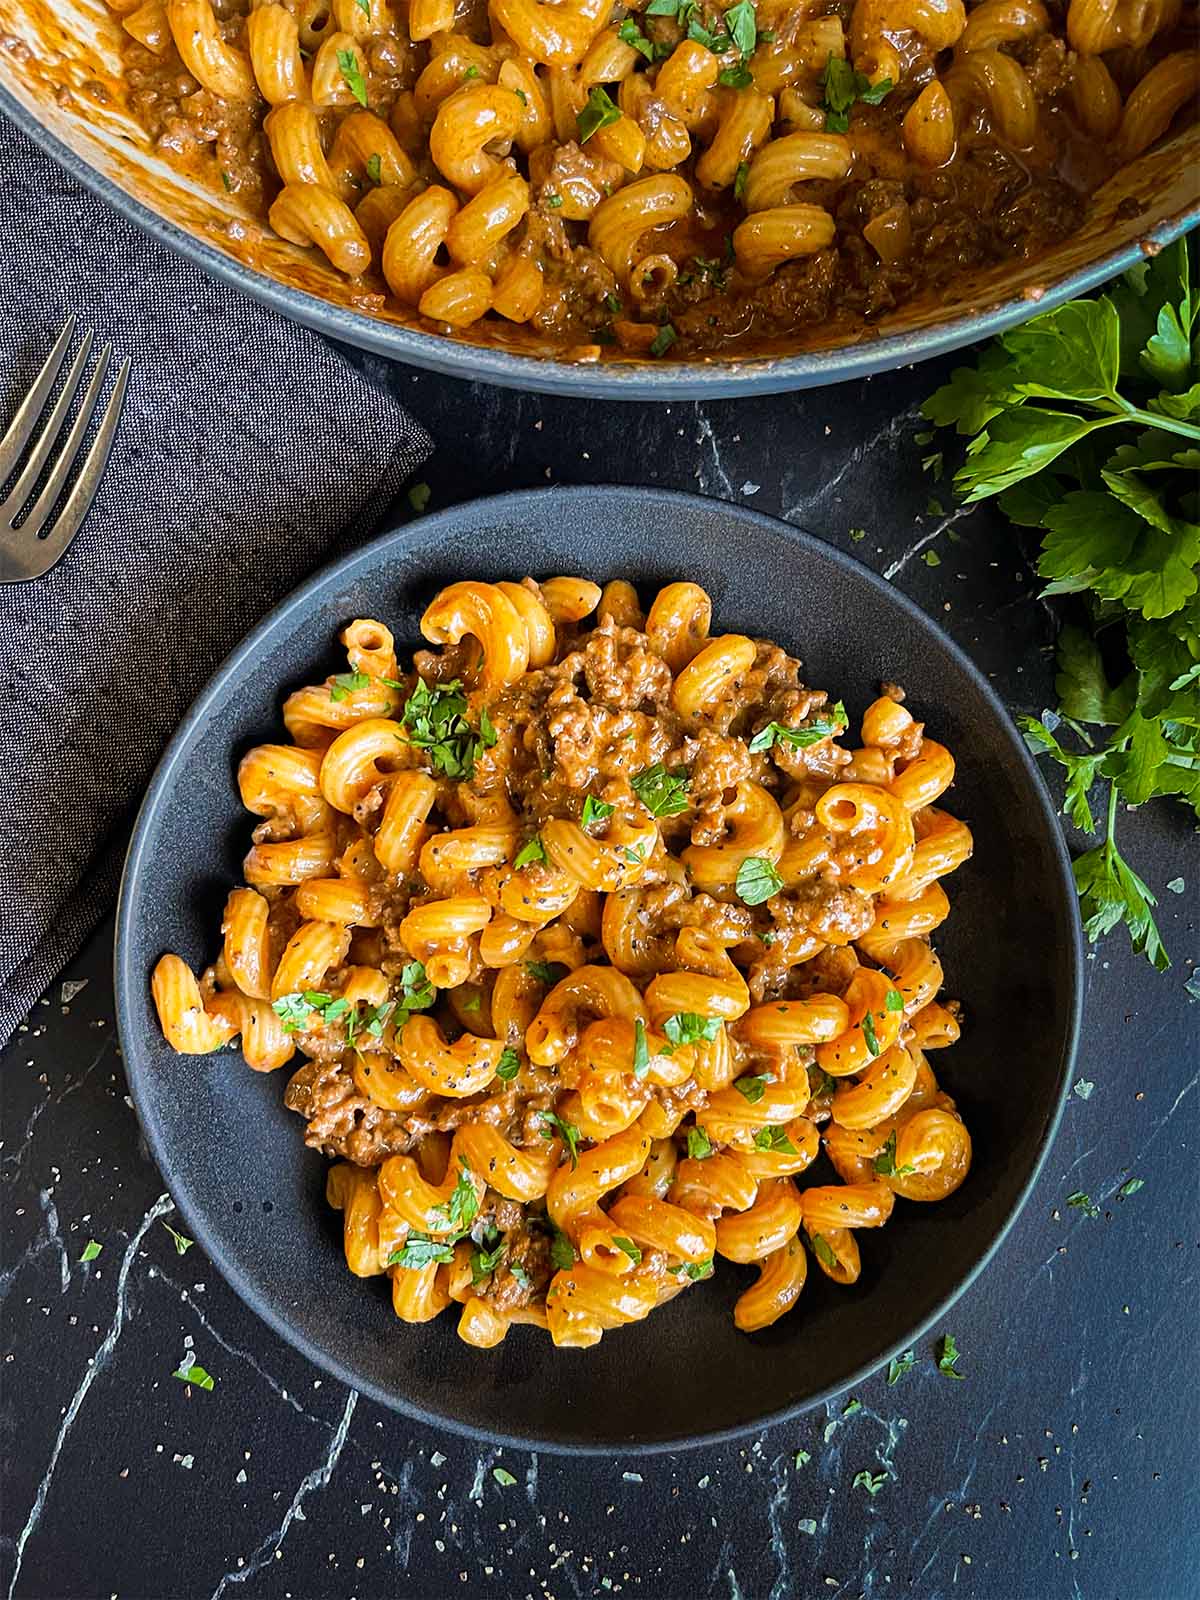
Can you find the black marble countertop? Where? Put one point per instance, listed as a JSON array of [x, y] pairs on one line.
[[1064, 1464]]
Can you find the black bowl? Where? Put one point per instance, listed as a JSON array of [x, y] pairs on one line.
[[253, 1195]]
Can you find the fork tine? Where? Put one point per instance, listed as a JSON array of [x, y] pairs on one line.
[[30, 409], [46, 440], [44, 503], [86, 485]]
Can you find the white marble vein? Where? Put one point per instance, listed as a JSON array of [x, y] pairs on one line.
[[894, 568], [891, 430], [161, 1208], [707, 476], [318, 1478]]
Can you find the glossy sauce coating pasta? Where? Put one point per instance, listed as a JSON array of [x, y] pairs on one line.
[[590, 935], [665, 177]]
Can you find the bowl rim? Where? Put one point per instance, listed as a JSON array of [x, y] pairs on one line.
[[633, 381], [137, 874]]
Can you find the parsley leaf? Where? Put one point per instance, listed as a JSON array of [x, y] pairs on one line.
[[869, 1034], [885, 1161], [663, 339], [90, 1251], [752, 1089], [1131, 1187], [697, 1271], [739, 179], [629, 33], [688, 1027], [594, 811], [641, 1050], [699, 1145], [826, 725], [899, 1365], [742, 22], [894, 1001], [872, 1484], [599, 112], [503, 1477], [352, 77], [510, 1065], [182, 1243], [546, 971], [532, 850], [419, 1250], [842, 86], [461, 1209], [802, 1458], [346, 683], [375, 167], [562, 1251], [551, 1122], [824, 1251], [189, 1372], [663, 793], [1083, 1088], [1079, 1201], [628, 1246], [757, 880], [774, 1141], [948, 1354]]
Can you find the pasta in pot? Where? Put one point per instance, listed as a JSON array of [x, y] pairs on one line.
[[659, 177], [592, 936]]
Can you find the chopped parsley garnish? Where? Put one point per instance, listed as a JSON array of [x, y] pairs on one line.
[[739, 179], [885, 1161], [869, 1034], [1131, 1187], [872, 1484], [843, 86], [600, 112], [594, 811], [629, 33], [699, 1145], [226, 181], [634, 857], [641, 1050], [554, 201], [368, 1021], [189, 1372], [825, 726], [751, 1089], [532, 850], [739, 77], [630, 1249], [948, 1353], [519, 1273], [1084, 1089], [472, 72], [742, 22], [893, 1001], [416, 991], [899, 1365], [613, 303], [461, 1209], [663, 340], [510, 1065], [852, 1405], [352, 76], [484, 1262], [419, 1250], [688, 1027], [435, 714], [375, 168], [819, 1082], [90, 1251], [552, 1122], [774, 1141], [697, 1271], [419, 496], [546, 971], [802, 1458], [503, 1477], [365, 7], [824, 1250], [663, 793], [182, 1243], [562, 1251], [296, 1010], [1083, 1202], [757, 880]]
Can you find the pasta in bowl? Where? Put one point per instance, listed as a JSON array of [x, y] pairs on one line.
[[253, 1192], [593, 931]]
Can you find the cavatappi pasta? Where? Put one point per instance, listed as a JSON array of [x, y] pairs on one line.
[[593, 932], [667, 177]]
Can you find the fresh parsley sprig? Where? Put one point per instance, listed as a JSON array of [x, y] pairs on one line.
[[435, 716], [1085, 423]]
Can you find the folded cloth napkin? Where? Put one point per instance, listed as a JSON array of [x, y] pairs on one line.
[[249, 453]]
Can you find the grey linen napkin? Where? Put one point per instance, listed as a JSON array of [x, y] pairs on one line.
[[250, 452]]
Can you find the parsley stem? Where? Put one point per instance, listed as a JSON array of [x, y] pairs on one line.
[[1110, 842], [1155, 419]]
